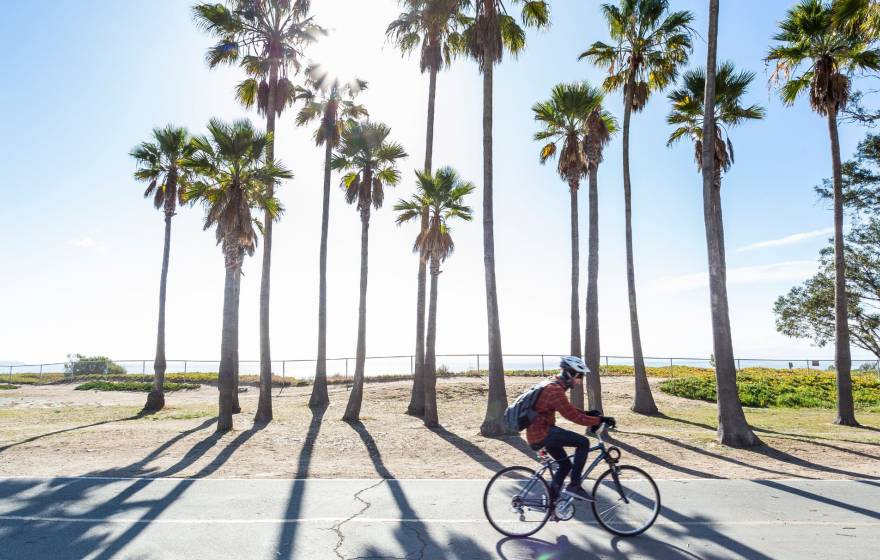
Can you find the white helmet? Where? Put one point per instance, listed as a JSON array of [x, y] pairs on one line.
[[573, 366]]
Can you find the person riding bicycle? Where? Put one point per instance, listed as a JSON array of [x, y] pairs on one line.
[[543, 432]]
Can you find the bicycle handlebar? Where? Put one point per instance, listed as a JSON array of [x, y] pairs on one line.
[[598, 429]]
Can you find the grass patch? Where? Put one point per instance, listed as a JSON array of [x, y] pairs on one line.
[[764, 388], [7, 387], [131, 386]]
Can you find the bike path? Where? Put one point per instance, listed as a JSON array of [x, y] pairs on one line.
[[418, 519]]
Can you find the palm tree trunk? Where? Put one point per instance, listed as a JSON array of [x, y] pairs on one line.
[[320, 398], [842, 361], [733, 429], [353, 410], [591, 336], [264, 406], [226, 377], [417, 399], [577, 392], [431, 419], [644, 401], [156, 397], [236, 362], [493, 423]]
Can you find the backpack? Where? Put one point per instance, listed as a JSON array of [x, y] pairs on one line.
[[521, 412]]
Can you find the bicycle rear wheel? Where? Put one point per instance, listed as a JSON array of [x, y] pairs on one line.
[[517, 502], [628, 505]]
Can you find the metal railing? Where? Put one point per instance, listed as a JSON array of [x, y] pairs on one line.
[[404, 364]]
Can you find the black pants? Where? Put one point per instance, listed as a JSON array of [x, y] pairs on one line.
[[556, 442]]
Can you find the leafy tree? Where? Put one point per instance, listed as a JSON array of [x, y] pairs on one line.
[[860, 179], [575, 127], [233, 178], [331, 101], [650, 45], [370, 161], [443, 194], [808, 36], [434, 27], [77, 364], [266, 39], [491, 32], [807, 311], [688, 116], [160, 163]]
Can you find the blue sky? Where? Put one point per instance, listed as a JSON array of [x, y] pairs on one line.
[[86, 80]]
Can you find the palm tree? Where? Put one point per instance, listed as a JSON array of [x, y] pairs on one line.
[[726, 110], [266, 38], [807, 36], [564, 118], [433, 26], [650, 45], [161, 163], [234, 177], [492, 31], [327, 99], [442, 193], [370, 162], [857, 15]]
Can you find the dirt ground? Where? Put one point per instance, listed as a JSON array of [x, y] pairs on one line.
[[56, 431]]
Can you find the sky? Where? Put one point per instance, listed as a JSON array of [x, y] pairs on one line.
[[87, 80]]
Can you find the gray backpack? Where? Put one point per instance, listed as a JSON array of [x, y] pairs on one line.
[[521, 412]]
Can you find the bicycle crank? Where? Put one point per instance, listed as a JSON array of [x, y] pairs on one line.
[[564, 510]]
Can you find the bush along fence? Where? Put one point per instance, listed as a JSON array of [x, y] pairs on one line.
[[404, 365]]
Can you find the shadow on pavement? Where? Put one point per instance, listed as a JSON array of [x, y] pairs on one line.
[[287, 538], [82, 530]]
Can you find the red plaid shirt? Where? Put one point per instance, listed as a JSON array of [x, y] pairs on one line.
[[551, 401]]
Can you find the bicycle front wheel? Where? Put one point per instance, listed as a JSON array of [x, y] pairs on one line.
[[626, 504], [517, 502]]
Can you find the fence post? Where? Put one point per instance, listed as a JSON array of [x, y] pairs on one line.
[[542, 363], [10, 373], [412, 367], [738, 364], [143, 367], [184, 366], [346, 369], [478, 364], [41, 370], [606, 362], [283, 371], [671, 374]]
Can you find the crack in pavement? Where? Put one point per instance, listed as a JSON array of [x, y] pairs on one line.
[[337, 528]]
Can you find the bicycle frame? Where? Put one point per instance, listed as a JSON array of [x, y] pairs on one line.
[[603, 455]]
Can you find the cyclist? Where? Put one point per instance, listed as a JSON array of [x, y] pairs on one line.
[[543, 432]]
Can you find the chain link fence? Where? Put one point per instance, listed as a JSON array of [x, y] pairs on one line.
[[405, 365]]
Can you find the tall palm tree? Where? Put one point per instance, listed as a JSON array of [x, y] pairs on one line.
[[491, 32], [266, 38], [331, 101], [857, 15], [370, 162], [564, 119], [808, 37], [434, 27], [651, 43], [161, 163], [234, 176], [688, 115], [443, 194]]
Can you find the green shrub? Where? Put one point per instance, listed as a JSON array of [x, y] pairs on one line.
[[765, 387], [78, 364], [131, 386], [7, 387]]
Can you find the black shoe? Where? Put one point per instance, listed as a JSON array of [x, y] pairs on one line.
[[575, 491]]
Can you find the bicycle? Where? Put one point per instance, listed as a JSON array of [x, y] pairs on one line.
[[625, 499]]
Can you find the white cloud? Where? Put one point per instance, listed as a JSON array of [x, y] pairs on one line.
[[788, 271], [787, 240], [84, 243]]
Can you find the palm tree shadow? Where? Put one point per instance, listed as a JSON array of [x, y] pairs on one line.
[[138, 416], [470, 449], [287, 538], [810, 440], [415, 527], [82, 539], [660, 462], [683, 421]]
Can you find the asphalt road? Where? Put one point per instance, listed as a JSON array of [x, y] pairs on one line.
[[96, 518]]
